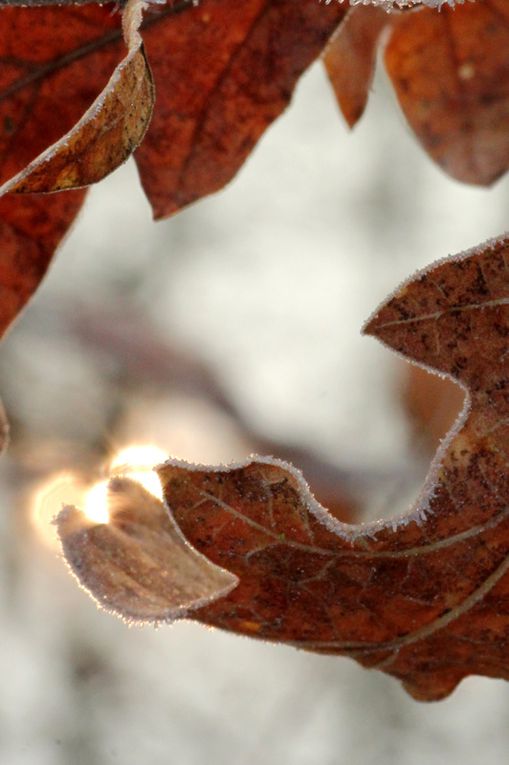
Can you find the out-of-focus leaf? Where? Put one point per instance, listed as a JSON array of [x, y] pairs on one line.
[[139, 565], [107, 133], [224, 71], [432, 404], [30, 230], [450, 71], [350, 58]]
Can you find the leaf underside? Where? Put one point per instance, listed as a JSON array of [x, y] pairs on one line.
[[232, 70], [450, 72]]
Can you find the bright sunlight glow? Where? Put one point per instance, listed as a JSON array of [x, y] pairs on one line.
[[135, 462], [59, 490], [95, 506]]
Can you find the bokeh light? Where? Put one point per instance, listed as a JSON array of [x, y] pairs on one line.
[[59, 490]]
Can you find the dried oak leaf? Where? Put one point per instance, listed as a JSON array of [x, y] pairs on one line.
[[43, 67], [450, 71], [223, 71], [424, 597], [139, 565]]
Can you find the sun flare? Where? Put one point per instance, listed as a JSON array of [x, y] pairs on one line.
[[95, 506], [135, 462], [59, 490]]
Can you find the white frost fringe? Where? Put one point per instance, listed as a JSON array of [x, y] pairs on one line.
[[390, 4]]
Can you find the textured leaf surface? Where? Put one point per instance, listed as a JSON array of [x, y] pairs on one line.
[[350, 58], [139, 566], [223, 71], [54, 64], [450, 71], [424, 597], [107, 133]]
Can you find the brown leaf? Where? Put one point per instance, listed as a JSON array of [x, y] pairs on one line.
[[424, 597], [107, 133], [30, 230], [350, 58], [450, 71], [432, 403], [223, 72], [139, 566], [54, 64]]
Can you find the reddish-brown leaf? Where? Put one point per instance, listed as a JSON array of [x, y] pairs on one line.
[[54, 62], [350, 58], [432, 403], [224, 71], [450, 71], [139, 566], [30, 230], [109, 130], [424, 597]]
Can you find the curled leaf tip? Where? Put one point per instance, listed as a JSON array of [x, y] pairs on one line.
[[138, 565]]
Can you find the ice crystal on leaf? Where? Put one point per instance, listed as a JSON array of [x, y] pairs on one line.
[[390, 5]]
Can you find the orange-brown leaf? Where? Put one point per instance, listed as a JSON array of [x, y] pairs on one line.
[[350, 58], [54, 62], [106, 134], [30, 230], [224, 71], [450, 71], [424, 597]]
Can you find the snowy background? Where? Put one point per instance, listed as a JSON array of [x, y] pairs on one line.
[[263, 289]]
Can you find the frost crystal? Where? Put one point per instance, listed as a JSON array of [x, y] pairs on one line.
[[391, 4]]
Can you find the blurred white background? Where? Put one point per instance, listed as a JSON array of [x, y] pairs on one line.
[[266, 285]]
